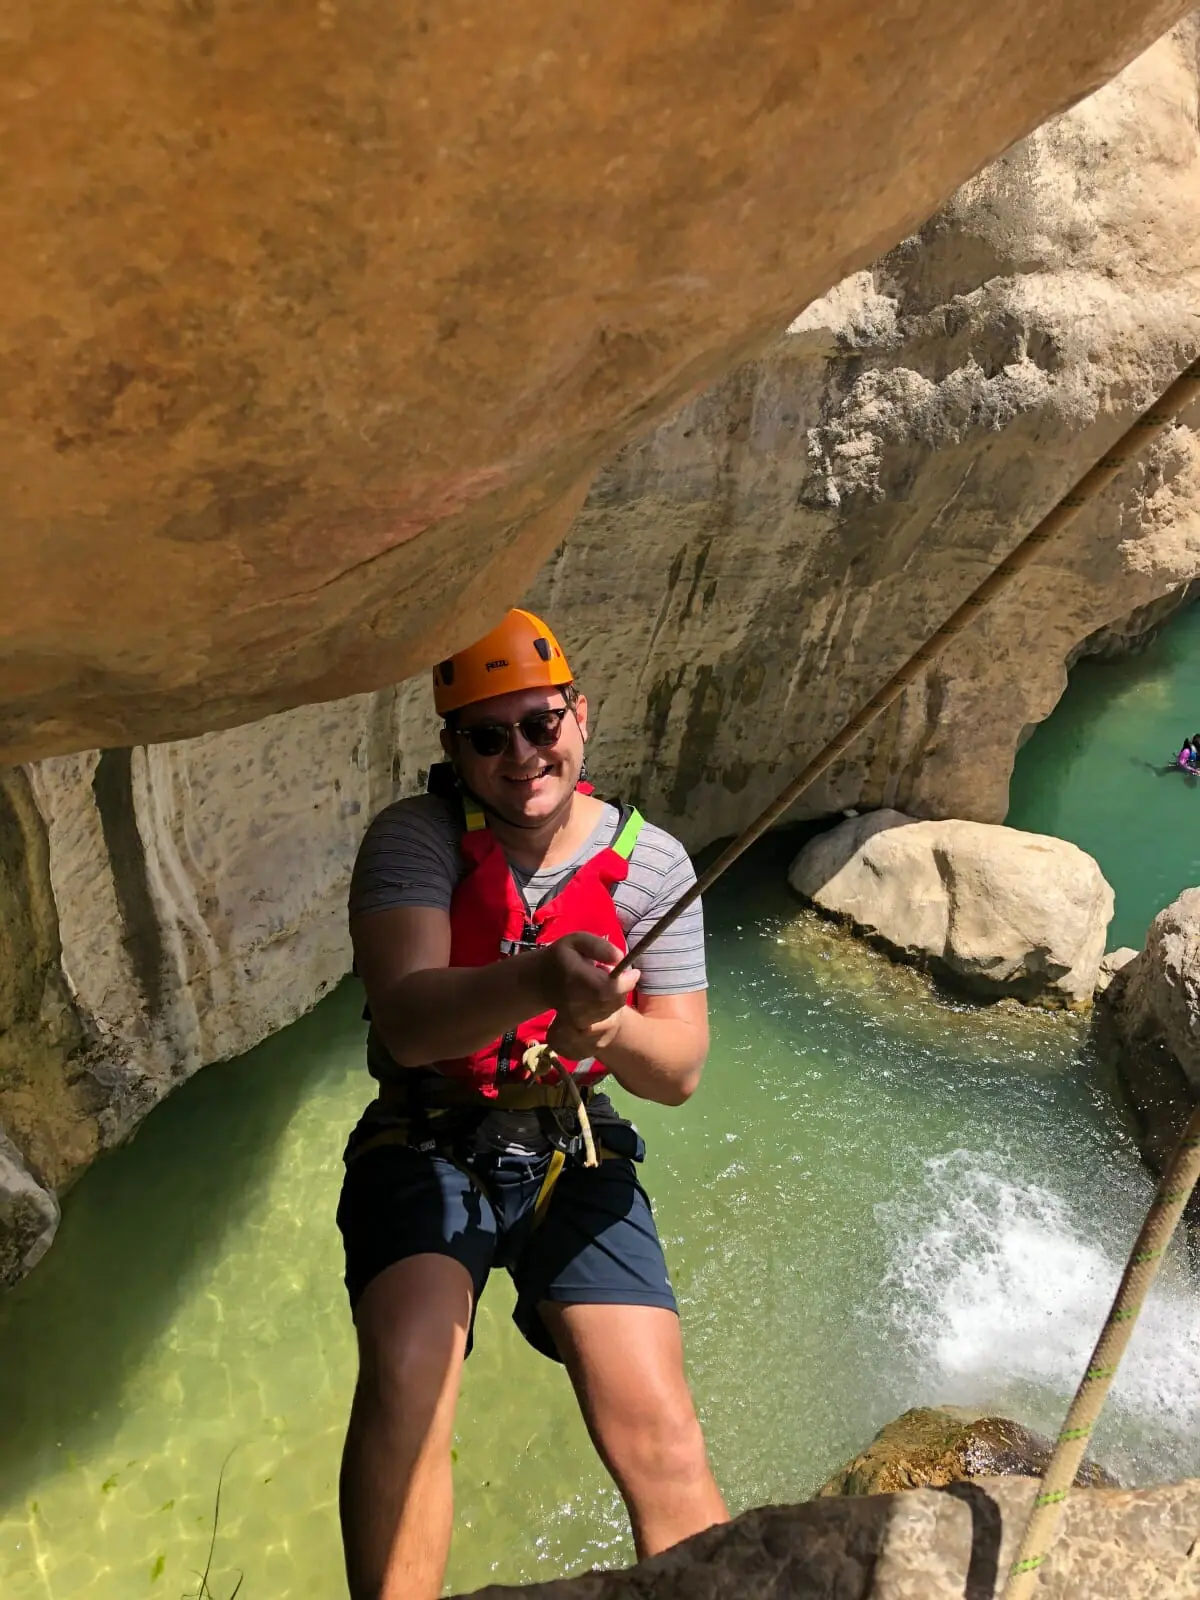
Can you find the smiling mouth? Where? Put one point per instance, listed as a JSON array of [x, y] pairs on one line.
[[531, 777]]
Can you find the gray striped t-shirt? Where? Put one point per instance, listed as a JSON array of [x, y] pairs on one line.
[[410, 857]]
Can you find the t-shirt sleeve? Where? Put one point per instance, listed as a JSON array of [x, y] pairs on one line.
[[408, 857], [660, 871]]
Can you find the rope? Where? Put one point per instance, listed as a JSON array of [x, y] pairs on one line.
[[539, 1059], [1171, 1197], [1132, 442]]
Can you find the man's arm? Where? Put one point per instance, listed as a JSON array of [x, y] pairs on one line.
[[427, 1011], [656, 1051]]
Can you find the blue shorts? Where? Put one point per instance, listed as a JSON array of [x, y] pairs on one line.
[[596, 1243]]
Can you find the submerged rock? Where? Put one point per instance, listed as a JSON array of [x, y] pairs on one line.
[[932, 1446], [1113, 1544], [998, 911], [1150, 1024]]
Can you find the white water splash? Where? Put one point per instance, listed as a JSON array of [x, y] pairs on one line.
[[998, 1291]]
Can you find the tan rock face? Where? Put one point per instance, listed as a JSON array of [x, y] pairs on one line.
[[1112, 963], [41, 1037], [927, 1545], [1151, 1021], [316, 321], [28, 1216], [996, 910]]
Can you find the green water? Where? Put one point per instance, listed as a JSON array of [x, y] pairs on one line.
[[877, 1199], [1092, 773]]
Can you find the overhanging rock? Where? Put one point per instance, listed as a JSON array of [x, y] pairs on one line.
[[316, 321]]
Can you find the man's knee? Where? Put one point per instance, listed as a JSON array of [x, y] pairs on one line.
[[407, 1371], [664, 1451]]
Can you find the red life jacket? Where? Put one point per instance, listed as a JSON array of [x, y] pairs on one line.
[[489, 920]]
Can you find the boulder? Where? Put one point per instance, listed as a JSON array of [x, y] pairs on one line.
[[997, 911], [929, 1544], [1150, 1024], [1111, 963], [930, 1447], [318, 320]]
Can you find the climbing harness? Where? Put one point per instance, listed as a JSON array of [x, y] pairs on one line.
[[1183, 1170], [430, 1113]]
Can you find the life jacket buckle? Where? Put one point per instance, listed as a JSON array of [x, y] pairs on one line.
[[527, 941]]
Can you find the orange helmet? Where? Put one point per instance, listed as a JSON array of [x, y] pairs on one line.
[[519, 653]]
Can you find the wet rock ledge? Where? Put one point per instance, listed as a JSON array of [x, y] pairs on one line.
[[929, 1544]]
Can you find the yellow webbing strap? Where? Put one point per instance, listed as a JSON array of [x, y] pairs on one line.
[[473, 815], [553, 1173], [624, 842]]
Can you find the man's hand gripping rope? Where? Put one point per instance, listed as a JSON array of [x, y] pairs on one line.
[[578, 983]]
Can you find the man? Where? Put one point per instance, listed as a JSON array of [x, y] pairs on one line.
[[487, 916]]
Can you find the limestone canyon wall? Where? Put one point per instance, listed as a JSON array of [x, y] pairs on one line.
[[161, 908], [749, 573], [733, 586]]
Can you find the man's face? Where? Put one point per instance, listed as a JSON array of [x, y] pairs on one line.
[[526, 784]]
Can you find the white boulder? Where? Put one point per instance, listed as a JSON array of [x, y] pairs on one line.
[[998, 911]]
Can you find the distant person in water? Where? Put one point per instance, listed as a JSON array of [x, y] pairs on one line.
[[1189, 755]]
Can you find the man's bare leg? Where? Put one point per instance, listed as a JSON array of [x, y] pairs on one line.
[[626, 1365], [396, 1495]]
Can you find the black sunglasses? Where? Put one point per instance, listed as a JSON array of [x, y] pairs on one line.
[[540, 729]]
